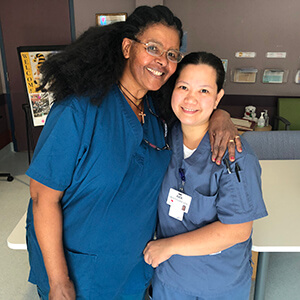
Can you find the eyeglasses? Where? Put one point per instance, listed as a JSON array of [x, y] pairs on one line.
[[166, 146], [157, 50]]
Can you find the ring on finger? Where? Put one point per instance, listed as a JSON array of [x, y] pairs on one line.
[[237, 137], [231, 141]]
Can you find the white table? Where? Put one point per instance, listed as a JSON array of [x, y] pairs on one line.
[[17, 238], [279, 232]]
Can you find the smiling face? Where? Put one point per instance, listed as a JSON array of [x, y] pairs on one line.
[[196, 95], [144, 72]]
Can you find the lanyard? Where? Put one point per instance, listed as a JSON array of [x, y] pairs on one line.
[[183, 180], [166, 146]]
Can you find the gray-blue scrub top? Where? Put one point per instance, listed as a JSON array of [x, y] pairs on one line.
[[216, 195]]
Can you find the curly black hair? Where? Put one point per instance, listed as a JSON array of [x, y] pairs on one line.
[[94, 62]]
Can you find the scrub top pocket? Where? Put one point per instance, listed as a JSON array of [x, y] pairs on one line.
[[234, 194], [82, 271], [202, 209], [242, 193]]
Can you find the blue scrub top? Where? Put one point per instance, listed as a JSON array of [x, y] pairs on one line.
[[111, 180], [216, 195]]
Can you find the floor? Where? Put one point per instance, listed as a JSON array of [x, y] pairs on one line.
[[283, 281], [14, 198]]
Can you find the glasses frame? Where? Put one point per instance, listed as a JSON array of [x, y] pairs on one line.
[[166, 146], [180, 55]]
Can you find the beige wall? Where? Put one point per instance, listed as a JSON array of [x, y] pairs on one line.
[[85, 10], [226, 27]]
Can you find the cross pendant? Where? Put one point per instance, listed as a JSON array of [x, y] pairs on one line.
[[143, 115]]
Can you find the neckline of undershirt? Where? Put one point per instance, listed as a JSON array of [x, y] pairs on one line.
[[187, 152]]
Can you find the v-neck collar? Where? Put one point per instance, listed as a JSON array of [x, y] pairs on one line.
[[138, 129], [202, 148]]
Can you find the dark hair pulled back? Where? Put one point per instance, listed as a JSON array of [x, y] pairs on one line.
[[193, 58], [206, 58], [94, 62]]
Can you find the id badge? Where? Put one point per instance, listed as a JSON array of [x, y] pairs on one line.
[[176, 212], [179, 204]]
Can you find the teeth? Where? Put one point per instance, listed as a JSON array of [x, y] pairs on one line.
[[157, 73], [187, 109]]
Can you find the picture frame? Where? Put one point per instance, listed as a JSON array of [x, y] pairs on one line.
[[106, 19], [244, 75], [275, 76], [31, 59]]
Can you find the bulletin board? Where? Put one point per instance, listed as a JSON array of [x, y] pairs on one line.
[[31, 60]]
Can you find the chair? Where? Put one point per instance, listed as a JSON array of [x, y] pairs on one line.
[[274, 144], [288, 114], [8, 175]]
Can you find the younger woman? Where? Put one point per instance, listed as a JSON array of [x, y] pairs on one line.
[[206, 211]]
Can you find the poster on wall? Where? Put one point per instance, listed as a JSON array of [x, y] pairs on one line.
[[31, 60]]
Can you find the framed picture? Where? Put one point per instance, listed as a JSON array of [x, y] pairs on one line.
[[275, 76], [106, 19], [31, 60], [244, 75]]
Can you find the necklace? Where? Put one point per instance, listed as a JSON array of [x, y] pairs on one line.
[[141, 113]]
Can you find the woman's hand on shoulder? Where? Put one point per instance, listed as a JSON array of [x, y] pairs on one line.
[[223, 134]]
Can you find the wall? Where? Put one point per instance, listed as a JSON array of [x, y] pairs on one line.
[[226, 27], [5, 134], [85, 10], [27, 23]]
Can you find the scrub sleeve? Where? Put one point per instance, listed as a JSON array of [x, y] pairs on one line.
[[111, 180]]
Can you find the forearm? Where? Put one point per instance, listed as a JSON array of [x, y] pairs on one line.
[[48, 228], [210, 239], [220, 113], [48, 224]]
